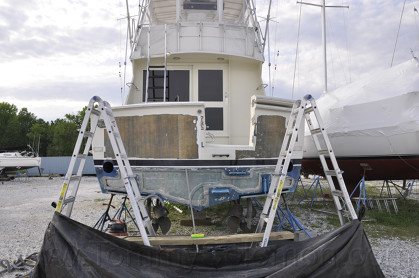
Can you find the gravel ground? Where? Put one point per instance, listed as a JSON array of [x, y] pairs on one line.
[[25, 211]]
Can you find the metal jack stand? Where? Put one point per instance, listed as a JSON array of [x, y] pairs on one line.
[[105, 216], [124, 209], [362, 195], [292, 220], [316, 183]]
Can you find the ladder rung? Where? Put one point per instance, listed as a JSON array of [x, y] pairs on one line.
[[95, 112], [316, 131], [75, 178], [309, 110], [330, 172], [337, 193], [82, 156], [123, 155], [116, 134], [325, 152], [69, 200], [88, 134]]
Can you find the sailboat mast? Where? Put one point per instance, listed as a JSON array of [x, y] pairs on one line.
[[324, 46], [323, 7]]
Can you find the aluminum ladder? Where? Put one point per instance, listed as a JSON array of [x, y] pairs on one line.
[[98, 116], [306, 108]]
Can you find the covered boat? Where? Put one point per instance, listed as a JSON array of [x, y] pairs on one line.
[[373, 125]]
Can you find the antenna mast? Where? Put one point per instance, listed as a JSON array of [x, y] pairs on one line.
[[323, 7]]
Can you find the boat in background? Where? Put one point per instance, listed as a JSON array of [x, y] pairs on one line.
[[15, 161], [197, 126], [373, 125]]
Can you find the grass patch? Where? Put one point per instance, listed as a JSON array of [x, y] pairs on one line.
[[403, 224]]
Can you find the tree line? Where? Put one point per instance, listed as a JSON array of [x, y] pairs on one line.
[[18, 129]]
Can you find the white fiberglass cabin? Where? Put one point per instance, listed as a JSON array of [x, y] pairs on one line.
[[197, 126]]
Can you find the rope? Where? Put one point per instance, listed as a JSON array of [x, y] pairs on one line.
[[20, 265], [397, 37]]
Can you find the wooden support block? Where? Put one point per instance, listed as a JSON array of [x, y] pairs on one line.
[[187, 240]]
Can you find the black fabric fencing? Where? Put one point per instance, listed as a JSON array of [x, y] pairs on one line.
[[71, 249]]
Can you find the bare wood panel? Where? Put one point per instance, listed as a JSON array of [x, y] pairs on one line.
[[157, 136], [270, 132], [188, 146], [187, 240]]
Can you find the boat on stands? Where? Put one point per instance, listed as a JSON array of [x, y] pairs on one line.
[[14, 161], [197, 129], [373, 125], [197, 125]]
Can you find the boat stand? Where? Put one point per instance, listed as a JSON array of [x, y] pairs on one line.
[[404, 190], [362, 195], [316, 183], [287, 215], [105, 216]]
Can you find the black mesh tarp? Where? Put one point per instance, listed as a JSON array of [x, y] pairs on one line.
[[71, 249]]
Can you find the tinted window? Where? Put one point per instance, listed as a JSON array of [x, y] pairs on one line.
[[177, 85], [210, 85], [214, 118]]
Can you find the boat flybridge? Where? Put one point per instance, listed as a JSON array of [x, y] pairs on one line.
[[197, 126]]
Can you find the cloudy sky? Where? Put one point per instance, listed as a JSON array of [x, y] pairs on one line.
[[55, 55]]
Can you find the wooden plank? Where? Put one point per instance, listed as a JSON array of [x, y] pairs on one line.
[[187, 240]]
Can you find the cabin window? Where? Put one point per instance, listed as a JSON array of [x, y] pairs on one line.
[[214, 118], [210, 85], [177, 85], [200, 5], [210, 89]]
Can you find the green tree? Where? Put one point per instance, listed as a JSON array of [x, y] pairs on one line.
[[64, 136], [25, 120], [40, 133], [7, 116]]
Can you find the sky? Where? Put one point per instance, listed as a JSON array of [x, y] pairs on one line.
[[56, 55]]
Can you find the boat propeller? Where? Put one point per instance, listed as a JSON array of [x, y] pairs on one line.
[[160, 219]]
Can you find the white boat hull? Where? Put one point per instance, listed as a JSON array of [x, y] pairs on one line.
[[373, 127]]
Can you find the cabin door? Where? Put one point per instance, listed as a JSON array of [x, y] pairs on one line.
[[212, 89]]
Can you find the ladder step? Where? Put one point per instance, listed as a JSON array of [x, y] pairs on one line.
[[75, 178], [308, 110], [337, 193], [325, 152], [95, 112], [82, 156], [88, 134], [330, 173], [316, 131], [69, 200]]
